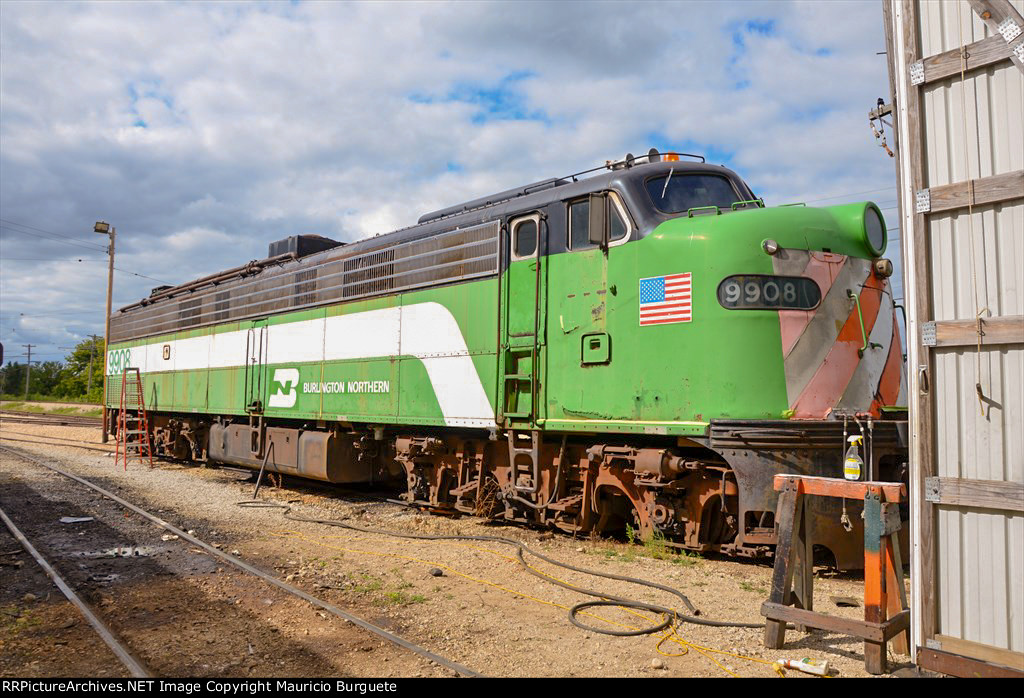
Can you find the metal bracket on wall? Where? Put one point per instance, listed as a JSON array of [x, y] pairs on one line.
[[923, 201], [932, 494], [917, 73], [928, 336], [1009, 29]]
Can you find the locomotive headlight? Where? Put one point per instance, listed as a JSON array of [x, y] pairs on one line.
[[862, 224], [883, 268], [874, 230]]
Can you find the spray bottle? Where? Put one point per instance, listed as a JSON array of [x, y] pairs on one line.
[[854, 464]]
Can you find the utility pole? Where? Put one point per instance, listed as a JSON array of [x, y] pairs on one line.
[[92, 357], [28, 369], [102, 228]]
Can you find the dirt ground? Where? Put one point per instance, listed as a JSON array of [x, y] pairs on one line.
[[187, 614]]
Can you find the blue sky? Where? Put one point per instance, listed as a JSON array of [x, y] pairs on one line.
[[204, 131]]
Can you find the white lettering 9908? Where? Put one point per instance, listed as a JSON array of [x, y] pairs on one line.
[[763, 292]]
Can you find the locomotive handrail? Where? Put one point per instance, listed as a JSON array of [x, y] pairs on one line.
[[689, 212], [860, 317]]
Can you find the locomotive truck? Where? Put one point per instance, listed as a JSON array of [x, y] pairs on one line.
[[644, 344]]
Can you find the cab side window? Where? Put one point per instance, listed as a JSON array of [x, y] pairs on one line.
[[579, 221], [579, 224], [524, 237]]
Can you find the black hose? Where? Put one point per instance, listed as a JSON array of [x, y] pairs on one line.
[[604, 598]]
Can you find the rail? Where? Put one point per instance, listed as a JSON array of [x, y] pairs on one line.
[[246, 567]]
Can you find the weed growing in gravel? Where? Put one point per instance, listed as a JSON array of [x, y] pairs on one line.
[[756, 588], [369, 584], [657, 547], [612, 554], [630, 534], [16, 620], [685, 559], [400, 598]]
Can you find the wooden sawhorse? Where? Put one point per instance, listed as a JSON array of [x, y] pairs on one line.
[[884, 592]]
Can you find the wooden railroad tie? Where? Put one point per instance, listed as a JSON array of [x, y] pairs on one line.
[[884, 593]]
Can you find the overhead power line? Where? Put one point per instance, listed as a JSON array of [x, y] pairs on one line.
[[48, 259], [50, 232], [118, 269], [856, 193], [85, 246]]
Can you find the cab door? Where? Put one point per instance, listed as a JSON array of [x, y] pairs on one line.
[[583, 294], [522, 314]]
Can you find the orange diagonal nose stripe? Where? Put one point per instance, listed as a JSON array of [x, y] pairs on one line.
[[833, 376]]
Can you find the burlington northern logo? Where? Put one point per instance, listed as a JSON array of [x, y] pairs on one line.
[[286, 387]]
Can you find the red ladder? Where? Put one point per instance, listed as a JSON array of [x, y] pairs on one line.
[[132, 429]]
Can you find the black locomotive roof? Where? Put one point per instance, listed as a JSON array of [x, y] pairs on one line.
[[627, 181]]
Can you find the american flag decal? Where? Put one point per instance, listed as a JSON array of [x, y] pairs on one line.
[[665, 299]]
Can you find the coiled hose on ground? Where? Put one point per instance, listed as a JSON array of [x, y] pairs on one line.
[[602, 598]]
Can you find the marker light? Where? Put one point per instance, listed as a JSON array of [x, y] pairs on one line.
[[671, 157], [770, 246]]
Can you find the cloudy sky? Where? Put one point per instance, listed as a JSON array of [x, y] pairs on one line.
[[203, 131]]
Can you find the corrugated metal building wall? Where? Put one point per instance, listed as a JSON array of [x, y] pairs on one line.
[[959, 105]]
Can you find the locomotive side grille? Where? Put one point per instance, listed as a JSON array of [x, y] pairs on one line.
[[221, 306], [453, 256], [368, 274], [449, 257], [189, 311], [305, 287]]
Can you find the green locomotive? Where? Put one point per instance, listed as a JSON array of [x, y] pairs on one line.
[[644, 343]]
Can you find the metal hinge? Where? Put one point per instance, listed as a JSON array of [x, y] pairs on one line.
[[923, 201], [1009, 29], [928, 334], [931, 490], [917, 73]]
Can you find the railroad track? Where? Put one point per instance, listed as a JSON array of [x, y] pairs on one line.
[[45, 419], [124, 654]]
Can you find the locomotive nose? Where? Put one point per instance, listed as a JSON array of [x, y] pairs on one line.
[[844, 354]]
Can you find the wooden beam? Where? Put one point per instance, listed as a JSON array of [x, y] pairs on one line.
[[980, 494], [993, 12], [836, 487], [917, 249], [983, 653], [1002, 329], [964, 667], [978, 192], [871, 632], [979, 54], [789, 514]]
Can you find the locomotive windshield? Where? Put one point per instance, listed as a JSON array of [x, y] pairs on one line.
[[678, 193]]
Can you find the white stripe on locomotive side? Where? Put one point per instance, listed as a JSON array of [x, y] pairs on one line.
[[425, 331]]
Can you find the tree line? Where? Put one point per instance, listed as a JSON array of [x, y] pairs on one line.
[[78, 377]]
